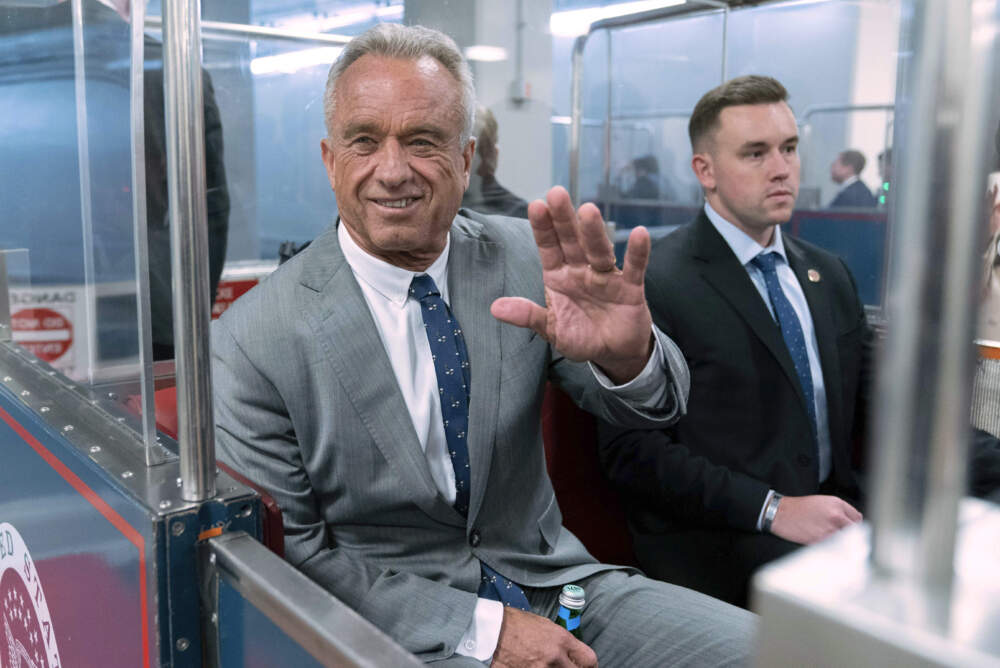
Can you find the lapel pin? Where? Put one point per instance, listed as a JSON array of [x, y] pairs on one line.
[[813, 275]]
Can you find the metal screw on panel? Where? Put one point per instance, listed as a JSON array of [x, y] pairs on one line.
[[165, 504], [215, 618], [177, 528], [183, 644], [126, 474], [44, 409], [7, 379], [95, 448], [68, 427], [25, 393], [51, 373], [211, 559], [178, 482], [119, 419], [113, 396]]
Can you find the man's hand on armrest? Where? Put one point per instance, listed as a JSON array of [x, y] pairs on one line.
[[529, 640], [809, 519]]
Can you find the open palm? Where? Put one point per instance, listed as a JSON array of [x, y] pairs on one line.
[[593, 310]]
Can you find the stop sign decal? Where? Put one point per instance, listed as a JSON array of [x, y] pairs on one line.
[[45, 333]]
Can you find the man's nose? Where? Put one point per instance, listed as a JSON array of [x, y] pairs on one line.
[[393, 168], [780, 165]]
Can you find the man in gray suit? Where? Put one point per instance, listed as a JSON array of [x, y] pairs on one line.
[[403, 447]]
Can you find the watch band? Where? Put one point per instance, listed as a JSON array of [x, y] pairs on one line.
[[770, 512]]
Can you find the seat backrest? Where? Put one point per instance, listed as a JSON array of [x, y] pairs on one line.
[[591, 509]]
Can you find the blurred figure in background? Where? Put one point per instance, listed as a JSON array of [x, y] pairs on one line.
[[853, 193], [647, 178], [484, 193]]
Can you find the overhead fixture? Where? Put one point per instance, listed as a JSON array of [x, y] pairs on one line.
[[293, 61], [486, 54], [358, 14], [574, 22]]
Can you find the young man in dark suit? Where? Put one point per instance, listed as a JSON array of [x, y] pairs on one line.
[[777, 343]]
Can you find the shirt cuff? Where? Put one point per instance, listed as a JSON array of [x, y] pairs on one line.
[[647, 391], [480, 639], [760, 517]]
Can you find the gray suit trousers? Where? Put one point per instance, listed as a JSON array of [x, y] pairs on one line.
[[631, 621]]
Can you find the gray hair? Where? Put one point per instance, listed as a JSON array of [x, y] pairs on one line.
[[392, 40]]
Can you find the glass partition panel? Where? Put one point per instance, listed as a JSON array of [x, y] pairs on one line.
[[841, 85], [659, 72], [36, 324], [66, 168], [67, 185]]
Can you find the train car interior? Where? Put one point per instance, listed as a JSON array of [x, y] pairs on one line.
[[161, 158]]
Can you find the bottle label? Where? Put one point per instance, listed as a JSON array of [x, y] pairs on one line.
[[569, 622]]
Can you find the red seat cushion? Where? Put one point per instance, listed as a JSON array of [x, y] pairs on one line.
[[590, 507]]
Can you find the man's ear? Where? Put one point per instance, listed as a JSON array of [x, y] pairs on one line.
[[467, 153], [326, 150], [704, 170]]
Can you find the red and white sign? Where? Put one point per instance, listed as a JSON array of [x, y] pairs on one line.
[[229, 291], [27, 639], [44, 332]]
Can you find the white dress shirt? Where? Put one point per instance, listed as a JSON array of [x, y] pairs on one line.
[[746, 249], [400, 325]]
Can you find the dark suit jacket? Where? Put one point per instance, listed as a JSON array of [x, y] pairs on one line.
[[694, 491], [855, 195]]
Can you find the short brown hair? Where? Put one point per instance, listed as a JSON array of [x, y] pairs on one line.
[[749, 89], [853, 159]]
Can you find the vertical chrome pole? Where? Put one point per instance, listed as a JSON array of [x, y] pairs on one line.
[[576, 123], [189, 236], [606, 169], [86, 206], [924, 384]]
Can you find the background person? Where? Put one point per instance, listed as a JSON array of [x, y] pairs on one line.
[[485, 194], [845, 171]]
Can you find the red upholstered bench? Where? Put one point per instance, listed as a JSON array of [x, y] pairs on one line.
[[590, 507]]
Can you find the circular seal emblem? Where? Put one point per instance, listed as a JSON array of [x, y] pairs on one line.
[[27, 639]]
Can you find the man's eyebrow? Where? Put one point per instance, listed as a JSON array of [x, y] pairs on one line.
[[753, 145], [360, 128], [425, 129]]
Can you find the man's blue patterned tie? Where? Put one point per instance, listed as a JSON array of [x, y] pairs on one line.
[[451, 364], [791, 330]]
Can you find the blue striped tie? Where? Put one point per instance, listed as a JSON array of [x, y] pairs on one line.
[[451, 365], [791, 330]]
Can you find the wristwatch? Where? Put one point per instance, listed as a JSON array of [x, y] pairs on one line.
[[770, 512]]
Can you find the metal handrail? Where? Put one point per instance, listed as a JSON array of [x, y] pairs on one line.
[[185, 139], [333, 633], [576, 88], [218, 29]]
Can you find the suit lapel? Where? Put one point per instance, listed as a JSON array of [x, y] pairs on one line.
[[722, 270], [347, 333], [475, 280], [818, 297]]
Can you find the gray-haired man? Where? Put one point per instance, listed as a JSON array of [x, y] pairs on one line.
[[385, 385]]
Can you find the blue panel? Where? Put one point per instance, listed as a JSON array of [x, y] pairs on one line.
[[89, 542], [248, 639]]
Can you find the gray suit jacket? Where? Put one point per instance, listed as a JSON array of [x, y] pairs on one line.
[[307, 405]]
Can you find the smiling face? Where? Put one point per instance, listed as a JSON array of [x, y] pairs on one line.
[[749, 167], [395, 157]]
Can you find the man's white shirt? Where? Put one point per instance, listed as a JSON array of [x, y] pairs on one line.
[[400, 326]]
